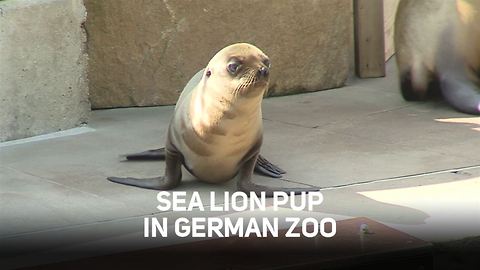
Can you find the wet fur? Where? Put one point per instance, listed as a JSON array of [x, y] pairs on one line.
[[438, 50]]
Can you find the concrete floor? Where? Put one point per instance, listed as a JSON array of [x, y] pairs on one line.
[[411, 166]]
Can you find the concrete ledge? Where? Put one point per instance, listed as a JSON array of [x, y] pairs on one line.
[[42, 67], [143, 52]]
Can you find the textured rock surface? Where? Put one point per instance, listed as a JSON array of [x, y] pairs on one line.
[[42, 67], [143, 52]]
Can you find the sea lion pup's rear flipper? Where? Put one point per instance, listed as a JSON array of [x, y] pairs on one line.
[[172, 178], [246, 185], [154, 154], [262, 166], [157, 183], [265, 167]]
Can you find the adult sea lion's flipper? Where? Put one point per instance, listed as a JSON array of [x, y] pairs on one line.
[[262, 166], [459, 84], [461, 93]]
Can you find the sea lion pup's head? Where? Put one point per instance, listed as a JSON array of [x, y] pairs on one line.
[[238, 71]]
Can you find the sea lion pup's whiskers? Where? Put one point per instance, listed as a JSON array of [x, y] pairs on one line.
[[248, 79]]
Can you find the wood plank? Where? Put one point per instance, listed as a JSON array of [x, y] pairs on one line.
[[381, 247], [369, 38]]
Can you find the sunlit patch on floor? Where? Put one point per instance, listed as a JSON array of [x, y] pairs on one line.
[[474, 122], [452, 207]]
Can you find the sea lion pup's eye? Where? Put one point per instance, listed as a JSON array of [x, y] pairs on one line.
[[233, 67], [267, 63]]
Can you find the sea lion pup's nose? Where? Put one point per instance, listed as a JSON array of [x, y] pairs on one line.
[[263, 72]]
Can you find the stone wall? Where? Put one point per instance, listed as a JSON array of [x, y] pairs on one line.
[[43, 84], [143, 52]]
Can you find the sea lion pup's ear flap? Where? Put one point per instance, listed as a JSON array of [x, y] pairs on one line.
[[267, 92]]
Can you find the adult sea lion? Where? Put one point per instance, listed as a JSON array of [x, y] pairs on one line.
[[216, 130], [438, 50]]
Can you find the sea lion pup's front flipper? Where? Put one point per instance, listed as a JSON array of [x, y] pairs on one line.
[[265, 167], [246, 185], [172, 178], [262, 166]]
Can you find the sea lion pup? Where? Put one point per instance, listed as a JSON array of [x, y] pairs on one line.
[[216, 130], [438, 50]]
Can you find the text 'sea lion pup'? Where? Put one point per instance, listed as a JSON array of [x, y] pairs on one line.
[[216, 130], [438, 50]]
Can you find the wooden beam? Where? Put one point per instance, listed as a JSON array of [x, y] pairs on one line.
[[369, 38]]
